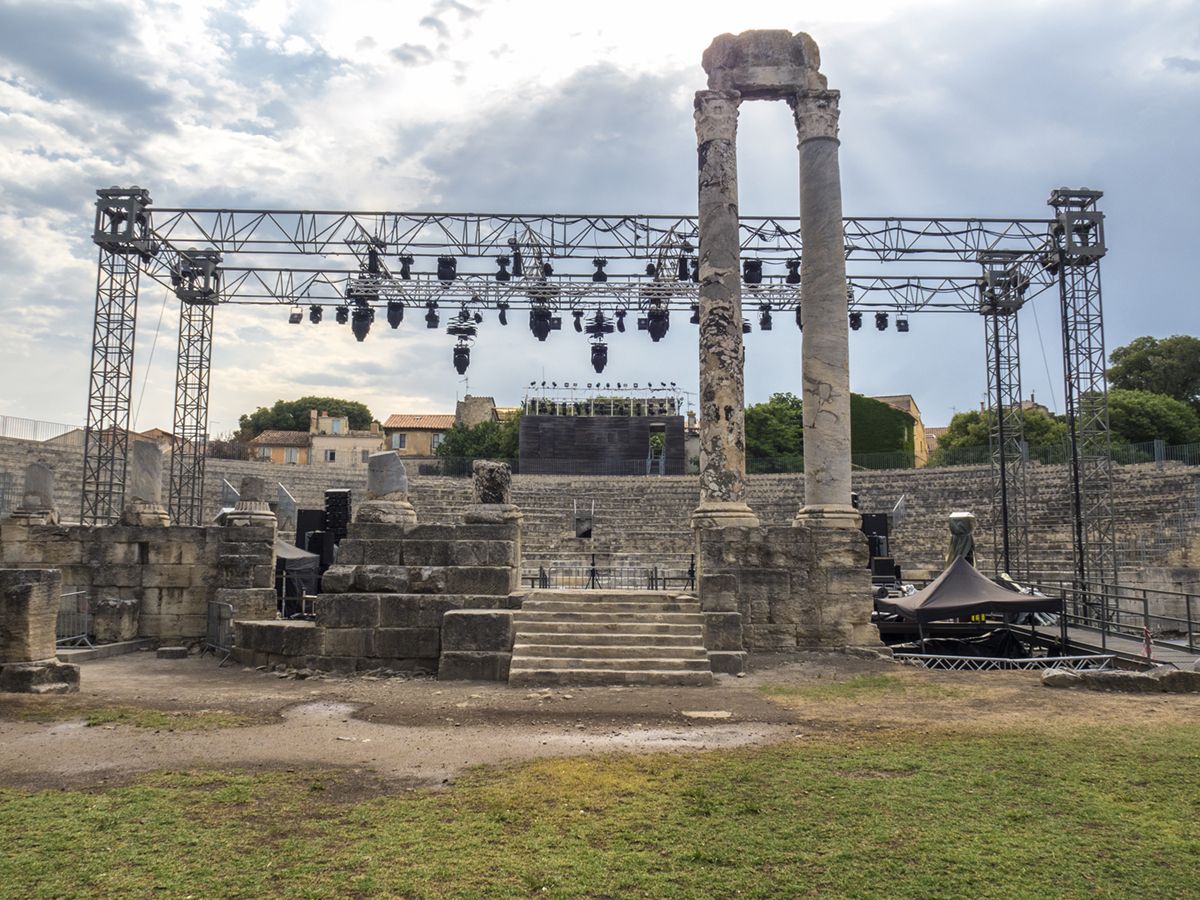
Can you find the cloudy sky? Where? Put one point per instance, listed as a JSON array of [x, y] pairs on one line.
[[948, 108]]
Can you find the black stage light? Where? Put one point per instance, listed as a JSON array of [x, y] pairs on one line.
[[656, 322], [881, 321], [793, 275], [406, 267], [599, 275], [447, 269], [599, 356], [503, 307], [764, 317], [315, 313], [578, 314], [296, 316], [695, 319], [752, 271], [902, 325], [651, 270], [800, 318], [395, 313], [745, 326], [547, 270], [855, 321], [684, 273], [360, 323], [342, 315], [621, 320], [432, 319], [541, 322], [696, 270], [518, 261], [462, 358], [503, 274]]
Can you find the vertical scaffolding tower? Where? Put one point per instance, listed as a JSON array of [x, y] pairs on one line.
[[1075, 258], [122, 234], [197, 280], [1002, 293]]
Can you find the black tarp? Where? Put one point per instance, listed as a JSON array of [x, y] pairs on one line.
[[961, 591]]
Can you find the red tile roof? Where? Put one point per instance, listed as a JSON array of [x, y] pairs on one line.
[[420, 422], [282, 439]]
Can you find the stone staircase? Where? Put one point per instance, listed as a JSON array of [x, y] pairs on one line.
[[609, 637]]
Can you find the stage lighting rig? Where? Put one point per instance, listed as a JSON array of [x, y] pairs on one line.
[[462, 357], [296, 316], [547, 270], [315, 313], [599, 325], [502, 273], [651, 270], [881, 321], [855, 321], [432, 320], [406, 268], [793, 275], [764, 317], [599, 275], [902, 325], [656, 322], [342, 315], [599, 355], [360, 321], [542, 322], [447, 269], [752, 271], [395, 313]]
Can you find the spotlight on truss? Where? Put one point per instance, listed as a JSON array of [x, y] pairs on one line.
[[360, 322], [752, 271], [395, 313], [599, 355], [599, 275], [656, 322], [855, 321], [315, 313], [542, 322], [406, 267], [447, 269], [793, 275], [503, 308], [800, 318], [881, 321], [296, 316], [432, 320], [342, 315], [764, 317], [462, 358], [620, 314], [577, 314], [695, 319], [502, 273], [902, 325], [745, 326]]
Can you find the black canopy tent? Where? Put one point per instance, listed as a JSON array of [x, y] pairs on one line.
[[961, 591]]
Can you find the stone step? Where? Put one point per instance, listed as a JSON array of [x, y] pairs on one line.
[[624, 607], [618, 627], [524, 677], [534, 616], [573, 638], [627, 663], [603, 596], [651, 650]]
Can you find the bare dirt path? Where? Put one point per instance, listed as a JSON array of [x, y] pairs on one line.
[[422, 732]]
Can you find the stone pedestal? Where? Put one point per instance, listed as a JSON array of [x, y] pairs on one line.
[[252, 508], [825, 353], [722, 393], [37, 502], [387, 492], [143, 487], [29, 600]]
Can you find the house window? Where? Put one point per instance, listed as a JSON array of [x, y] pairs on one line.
[[264, 453], [437, 440], [291, 455], [366, 455], [335, 426], [399, 440], [330, 456]]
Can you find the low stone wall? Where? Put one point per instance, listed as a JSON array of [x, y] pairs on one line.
[[28, 614], [170, 574]]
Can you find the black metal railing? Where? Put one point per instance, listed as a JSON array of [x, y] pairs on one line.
[[1125, 612], [660, 574]]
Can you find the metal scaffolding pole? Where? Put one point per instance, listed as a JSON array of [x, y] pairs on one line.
[[1002, 295], [1079, 239], [121, 234]]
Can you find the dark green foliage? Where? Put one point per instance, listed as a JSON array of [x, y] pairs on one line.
[[292, 415], [970, 429], [1170, 366], [487, 440], [1138, 416], [876, 427], [775, 429]]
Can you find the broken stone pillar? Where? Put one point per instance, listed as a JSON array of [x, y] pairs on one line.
[[29, 601], [493, 495], [722, 392], [387, 492], [825, 348], [143, 487], [252, 508], [37, 502]]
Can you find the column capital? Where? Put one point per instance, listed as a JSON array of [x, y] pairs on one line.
[[716, 115], [816, 114]]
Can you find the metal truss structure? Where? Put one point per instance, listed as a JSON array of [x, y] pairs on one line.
[[599, 266], [1001, 295], [1078, 248]]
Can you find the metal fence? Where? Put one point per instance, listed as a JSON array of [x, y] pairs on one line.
[[74, 625], [1123, 611], [35, 430], [663, 574], [218, 635]]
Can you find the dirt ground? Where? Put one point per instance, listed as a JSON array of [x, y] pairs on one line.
[[421, 732]]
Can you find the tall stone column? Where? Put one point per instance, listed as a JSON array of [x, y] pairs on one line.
[[722, 391], [825, 347]]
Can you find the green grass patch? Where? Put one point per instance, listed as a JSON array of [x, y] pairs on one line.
[[137, 717], [863, 687], [1043, 811]]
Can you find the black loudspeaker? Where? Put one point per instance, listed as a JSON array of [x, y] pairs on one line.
[[883, 567], [875, 523], [308, 520], [322, 544], [337, 513]]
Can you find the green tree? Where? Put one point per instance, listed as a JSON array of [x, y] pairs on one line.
[[1170, 366], [292, 415], [970, 429], [775, 430], [487, 440], [1138, 416]]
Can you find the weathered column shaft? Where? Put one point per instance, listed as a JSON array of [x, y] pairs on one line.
[[722, 391], [826, 338]]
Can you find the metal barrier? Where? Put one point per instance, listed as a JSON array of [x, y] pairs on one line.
[[1125, 612], [74, 625], [995, 663], [656, 576], [218, 635]]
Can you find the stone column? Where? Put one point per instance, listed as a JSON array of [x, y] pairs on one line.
[[29, 600], [37, 502], [825, 348], [143, 488], [722, 394], [387, 492], [252, 509]]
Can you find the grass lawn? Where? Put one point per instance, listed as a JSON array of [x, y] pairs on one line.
[[1037, 811]]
